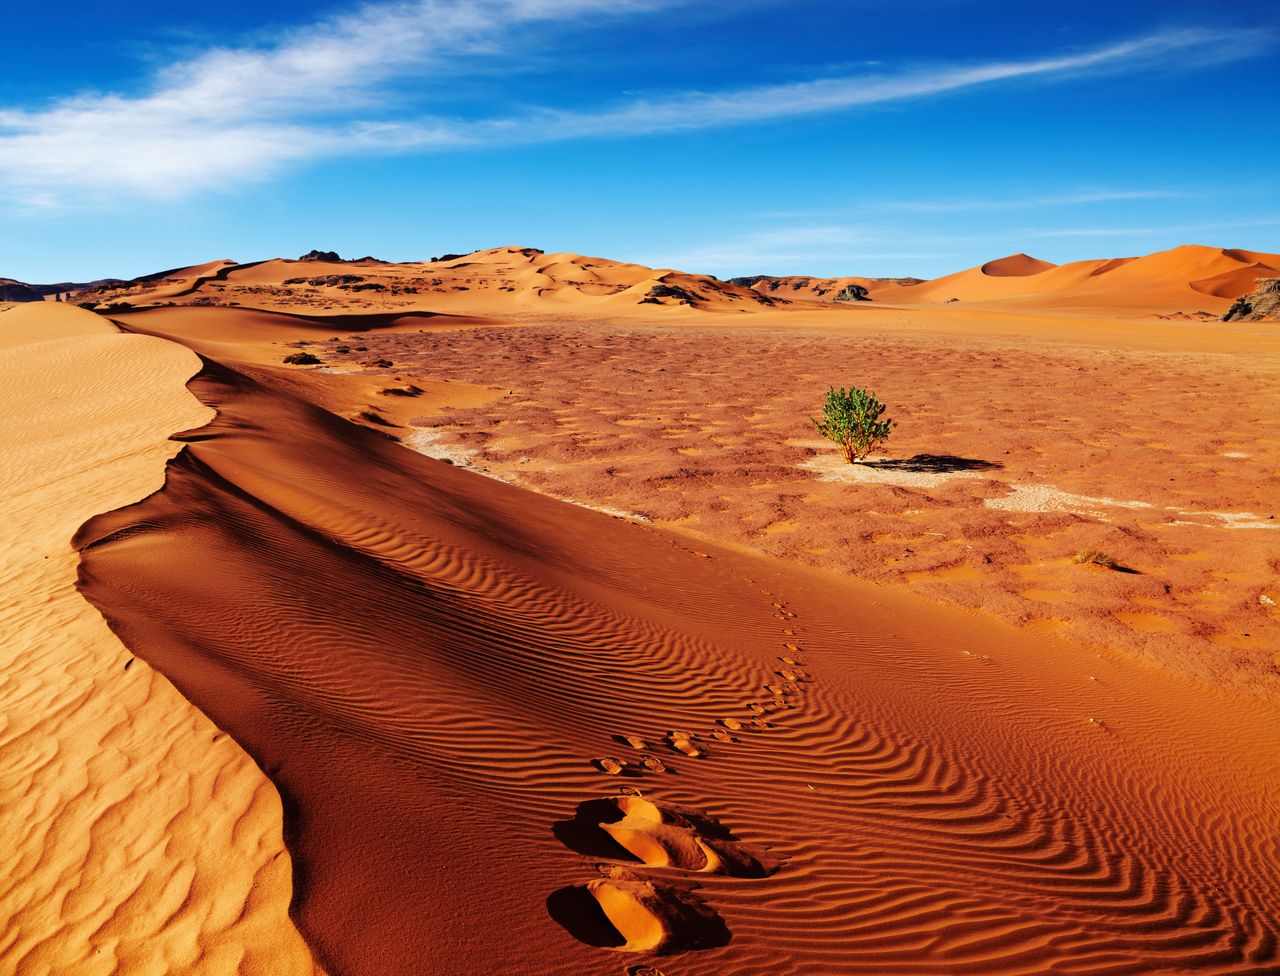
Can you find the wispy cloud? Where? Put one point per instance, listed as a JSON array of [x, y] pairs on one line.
[[329, 90], [1039, 202], [1198, 228], [779, 250], [239, 113], [697, 110]]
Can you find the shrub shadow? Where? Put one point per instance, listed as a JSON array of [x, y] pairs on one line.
[[934, 464]]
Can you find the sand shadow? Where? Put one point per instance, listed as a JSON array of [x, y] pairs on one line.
[[689, 922], [582, 917], [583, 835], [934, 464]]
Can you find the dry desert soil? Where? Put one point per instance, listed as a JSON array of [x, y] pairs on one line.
[[527, 626]]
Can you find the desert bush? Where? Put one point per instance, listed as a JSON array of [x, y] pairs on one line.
[[851, 419], [1094, 557], [301, 359]]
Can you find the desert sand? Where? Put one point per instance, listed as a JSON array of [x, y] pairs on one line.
[[529, 611], [140, 837]]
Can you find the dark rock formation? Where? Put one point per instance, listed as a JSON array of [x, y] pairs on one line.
[[329, 256], [337, 280], [16, 291], [659, 292], [1261, 303], [852, 293]]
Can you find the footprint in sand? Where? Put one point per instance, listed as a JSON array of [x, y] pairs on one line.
[[636, 915], [610, 764], [686, 742], [635, 829], [624, 911], [653, 763], [743, 725]]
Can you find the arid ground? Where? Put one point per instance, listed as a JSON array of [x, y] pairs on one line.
[[524, 624]]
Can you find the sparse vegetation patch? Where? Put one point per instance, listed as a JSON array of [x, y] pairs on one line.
[[851, 420]]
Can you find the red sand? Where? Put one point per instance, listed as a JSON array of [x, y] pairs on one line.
[[433, 667], [510, 734]]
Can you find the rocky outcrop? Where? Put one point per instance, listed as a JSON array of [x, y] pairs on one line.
[[16, 291], [1262, 303], [328, 256], [659, 292], [852, 293]]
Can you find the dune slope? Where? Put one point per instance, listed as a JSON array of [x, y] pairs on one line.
[[458, 687], [138, 837]]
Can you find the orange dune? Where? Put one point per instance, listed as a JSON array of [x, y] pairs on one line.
[[139, 838], [1187, 278], [1015, 266], [524, 280], [515, 735]]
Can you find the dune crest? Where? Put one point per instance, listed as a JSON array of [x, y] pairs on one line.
[[1015, 266], [139, 838]]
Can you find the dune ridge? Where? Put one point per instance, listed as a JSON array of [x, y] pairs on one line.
[[139, 837], [515, 280], [430, 665]]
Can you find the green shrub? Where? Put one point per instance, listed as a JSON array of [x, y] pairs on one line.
[[851, 419]]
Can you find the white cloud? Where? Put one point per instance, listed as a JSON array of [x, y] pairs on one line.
[[236, 114], [697, 110]]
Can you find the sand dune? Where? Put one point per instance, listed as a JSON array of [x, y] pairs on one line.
[[432, 665], [496, 280], [1015, 266], [1183, 279], [524, 280], [139, 838]]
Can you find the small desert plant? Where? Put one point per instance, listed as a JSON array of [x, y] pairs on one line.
[[301, 359], [1094, 557], [851, 418]]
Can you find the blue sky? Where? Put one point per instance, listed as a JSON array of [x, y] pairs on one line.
[[914, 137]]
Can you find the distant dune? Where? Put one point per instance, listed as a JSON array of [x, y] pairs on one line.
[[1187, 280]]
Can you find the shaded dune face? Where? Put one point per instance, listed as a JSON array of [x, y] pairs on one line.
[[426, 662]]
